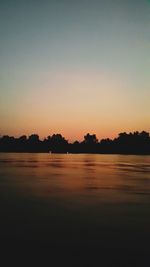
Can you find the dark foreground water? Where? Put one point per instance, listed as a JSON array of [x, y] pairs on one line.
[[75, 210]]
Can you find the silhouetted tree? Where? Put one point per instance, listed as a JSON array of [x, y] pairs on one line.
[[34, 143], [125, 143], [22, 138], [57, 143], [90, 139], [34, 138]]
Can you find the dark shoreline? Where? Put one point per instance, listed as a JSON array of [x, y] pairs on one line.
[[136, 143], [71, 153]]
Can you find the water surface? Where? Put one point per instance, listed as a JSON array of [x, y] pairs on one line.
[[93, 205]]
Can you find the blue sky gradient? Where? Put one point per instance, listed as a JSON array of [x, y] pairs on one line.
[[74, 67]]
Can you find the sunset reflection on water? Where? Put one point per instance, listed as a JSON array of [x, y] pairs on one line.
[[105, 178], [91, 201]]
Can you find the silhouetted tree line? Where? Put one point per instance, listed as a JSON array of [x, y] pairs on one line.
[[132, 143]]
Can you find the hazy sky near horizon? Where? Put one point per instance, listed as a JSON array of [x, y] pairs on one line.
[[74, 67]]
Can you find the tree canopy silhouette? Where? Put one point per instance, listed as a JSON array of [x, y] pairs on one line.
[[125, 143]]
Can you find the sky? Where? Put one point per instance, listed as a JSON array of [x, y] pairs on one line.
[[74, 67]]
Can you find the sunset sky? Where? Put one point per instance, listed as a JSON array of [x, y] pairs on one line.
[[74, 67]]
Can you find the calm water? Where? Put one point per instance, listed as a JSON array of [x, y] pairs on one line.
[[86, 208]]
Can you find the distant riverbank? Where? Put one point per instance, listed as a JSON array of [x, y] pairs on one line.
[[136, 143]]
